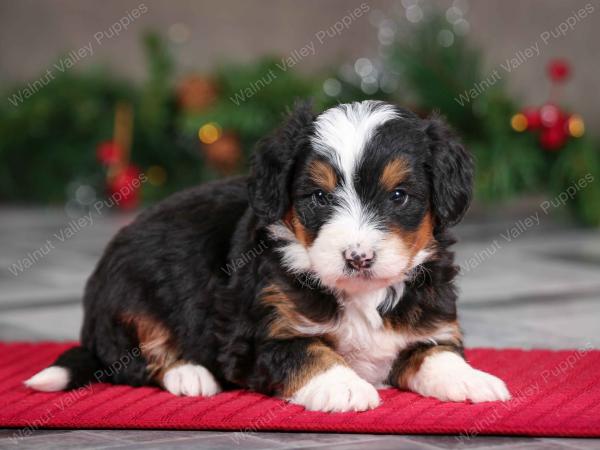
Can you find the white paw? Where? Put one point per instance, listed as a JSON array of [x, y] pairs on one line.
[[447, 376], [51, 379], [190, 380], [338, 389]]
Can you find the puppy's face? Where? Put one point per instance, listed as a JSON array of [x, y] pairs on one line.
[[361, 202], [360, 199]]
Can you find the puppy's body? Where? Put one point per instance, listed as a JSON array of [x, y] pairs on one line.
[[324, 274]]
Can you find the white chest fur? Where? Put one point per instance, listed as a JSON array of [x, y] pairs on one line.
[[366, 345]]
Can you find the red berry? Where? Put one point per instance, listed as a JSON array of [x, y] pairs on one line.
[[533, 118], [553, 138], [124, 188], [108, 153], [559, 70], [550, 115]]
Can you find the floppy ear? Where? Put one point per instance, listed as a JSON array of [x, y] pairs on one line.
[[273, 165], [451, 171]]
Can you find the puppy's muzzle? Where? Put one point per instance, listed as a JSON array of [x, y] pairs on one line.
[[359, 259]]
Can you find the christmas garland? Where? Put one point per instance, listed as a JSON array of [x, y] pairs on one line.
[[89, 135]]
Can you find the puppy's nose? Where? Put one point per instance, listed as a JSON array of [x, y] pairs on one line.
[[358, 258]]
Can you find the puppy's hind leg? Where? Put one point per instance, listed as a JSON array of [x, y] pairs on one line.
[[189, 379], [165, 365]]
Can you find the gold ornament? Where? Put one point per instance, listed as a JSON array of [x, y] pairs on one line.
[[209, 133], [576, 126], [518, 122]]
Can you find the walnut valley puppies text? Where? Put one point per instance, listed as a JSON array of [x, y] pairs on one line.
[[75, 55], [74, 226], [298, 54], [525, 54]]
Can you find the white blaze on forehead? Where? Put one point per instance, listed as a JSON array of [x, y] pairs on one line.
[[341, 133]]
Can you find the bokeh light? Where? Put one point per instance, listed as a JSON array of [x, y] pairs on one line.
[[518, 122], [209, 133], [576, 125]]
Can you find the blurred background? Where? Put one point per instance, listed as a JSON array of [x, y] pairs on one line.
[[108, 107], [94, 97]]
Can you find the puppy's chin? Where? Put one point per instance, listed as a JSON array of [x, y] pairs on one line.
[[360, 285]]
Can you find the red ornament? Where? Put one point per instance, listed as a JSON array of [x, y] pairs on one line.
[[550, 115], [124, 187], [108, 153], [552, 123], [553, 138], [559, 70], [533, 118]]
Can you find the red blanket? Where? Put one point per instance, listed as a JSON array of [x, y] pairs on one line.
[[555, 393]]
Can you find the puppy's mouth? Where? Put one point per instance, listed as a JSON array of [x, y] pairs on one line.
[[358, 274], [361, 280], [364, 280]]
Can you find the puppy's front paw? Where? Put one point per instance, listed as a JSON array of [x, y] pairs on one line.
[[190, 380], [449, 377], [338, 389]]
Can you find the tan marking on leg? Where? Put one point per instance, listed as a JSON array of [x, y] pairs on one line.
[[410, 327], [448, 335], [320, 358], [156, 343], [416, 361], [286, 320], [451, 333]]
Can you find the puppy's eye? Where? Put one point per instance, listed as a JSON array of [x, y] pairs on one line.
[[319, 197], [399, 196]]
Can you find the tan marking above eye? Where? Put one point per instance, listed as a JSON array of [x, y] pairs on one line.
[[394, 173], [323, 175]]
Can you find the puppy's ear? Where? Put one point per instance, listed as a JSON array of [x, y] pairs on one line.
[[451, 174], [273, 165]]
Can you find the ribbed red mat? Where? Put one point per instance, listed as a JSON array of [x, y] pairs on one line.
[[556, 393]]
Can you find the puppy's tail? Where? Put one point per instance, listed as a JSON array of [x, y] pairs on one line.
[[74, 368]]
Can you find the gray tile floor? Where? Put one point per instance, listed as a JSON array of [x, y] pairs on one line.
[[526, 286]]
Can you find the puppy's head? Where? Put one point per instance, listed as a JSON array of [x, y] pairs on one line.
[[358, 193]]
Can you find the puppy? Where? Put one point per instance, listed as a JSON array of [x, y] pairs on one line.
[[323, 275]]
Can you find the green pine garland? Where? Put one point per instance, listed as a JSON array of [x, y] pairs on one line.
[[50, 139]]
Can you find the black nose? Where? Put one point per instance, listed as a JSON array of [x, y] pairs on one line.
[[359, 259]]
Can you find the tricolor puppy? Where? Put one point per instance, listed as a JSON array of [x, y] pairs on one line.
[[323, 275]]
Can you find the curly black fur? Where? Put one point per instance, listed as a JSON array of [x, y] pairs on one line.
[[174, 265]]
